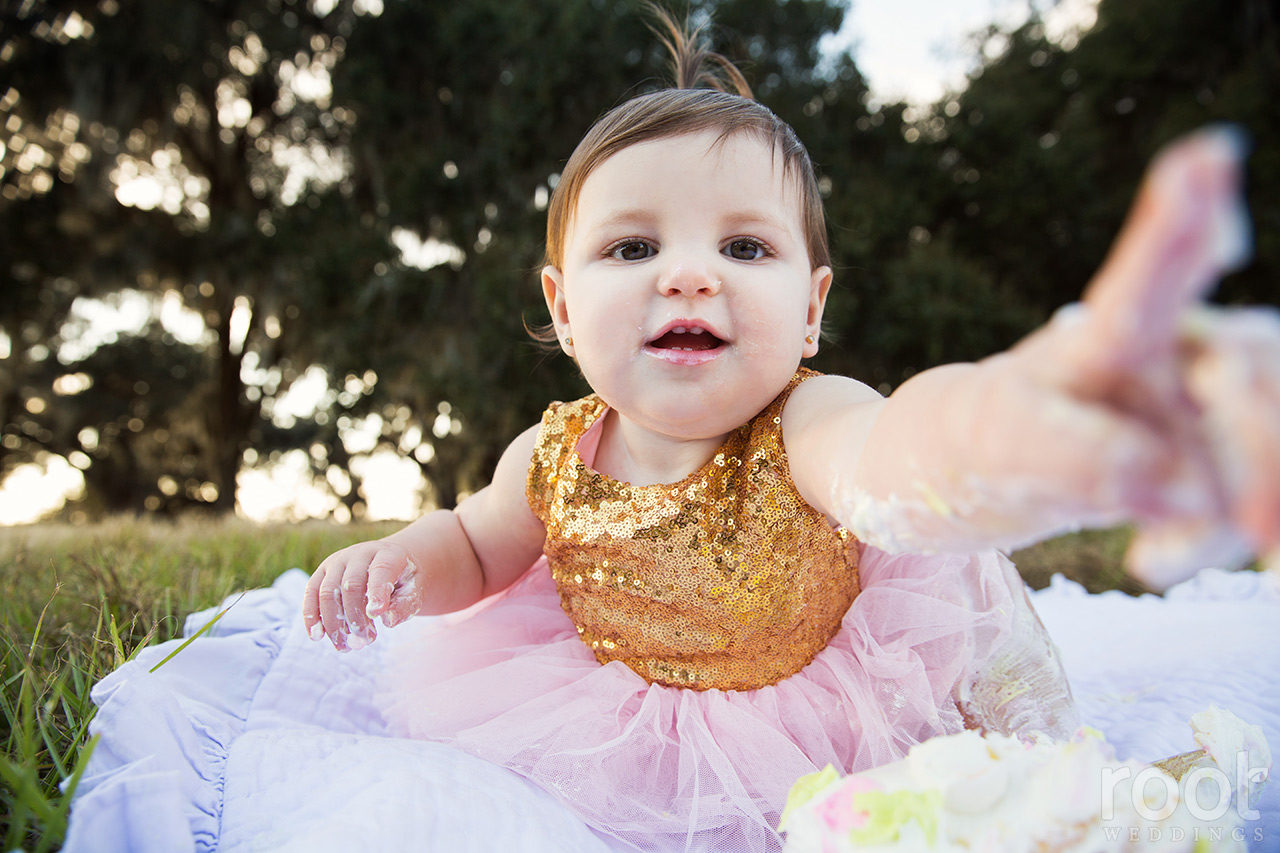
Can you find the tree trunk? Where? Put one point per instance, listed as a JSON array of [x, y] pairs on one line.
[[229, 424]]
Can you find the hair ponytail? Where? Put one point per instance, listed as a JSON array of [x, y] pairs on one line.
[[693, 64]]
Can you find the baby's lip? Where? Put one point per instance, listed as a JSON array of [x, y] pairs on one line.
[[692, 335]]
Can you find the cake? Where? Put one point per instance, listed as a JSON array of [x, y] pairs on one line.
[[995, 792]]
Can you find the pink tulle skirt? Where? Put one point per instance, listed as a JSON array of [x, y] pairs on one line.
[[664, 768]]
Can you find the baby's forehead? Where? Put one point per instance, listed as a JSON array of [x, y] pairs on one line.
[[742, 163], [715, 148]]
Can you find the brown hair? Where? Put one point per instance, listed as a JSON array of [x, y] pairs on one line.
[[710, 94]]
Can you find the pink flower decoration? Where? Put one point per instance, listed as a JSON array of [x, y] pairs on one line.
[[837, 811]]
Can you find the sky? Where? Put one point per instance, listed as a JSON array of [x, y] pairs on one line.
[[917, 50], [910, 50]]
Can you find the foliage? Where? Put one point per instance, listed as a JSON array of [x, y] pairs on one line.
[[1046, 146], [151, 147], [435, 121]]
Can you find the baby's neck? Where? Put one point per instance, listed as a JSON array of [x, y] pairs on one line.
[[629, 453]]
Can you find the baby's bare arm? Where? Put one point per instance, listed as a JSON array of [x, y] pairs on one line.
[[966, 457], [1140, 405], [443, 562]]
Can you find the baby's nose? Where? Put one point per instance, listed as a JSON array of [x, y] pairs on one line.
[[686, 279]]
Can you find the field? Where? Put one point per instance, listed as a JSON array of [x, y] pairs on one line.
[[79, 601]]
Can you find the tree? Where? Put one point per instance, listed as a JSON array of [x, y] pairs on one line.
[[156, 147], [1046, 145]]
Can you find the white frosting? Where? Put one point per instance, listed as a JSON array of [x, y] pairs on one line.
[[973, 515], [1239, 749], [996, 793], [975, 781], [890, 524], [404, 591]]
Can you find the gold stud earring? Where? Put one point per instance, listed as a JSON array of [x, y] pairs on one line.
[[808, 339], [568, 342]]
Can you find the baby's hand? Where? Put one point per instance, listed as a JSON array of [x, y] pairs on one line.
[[351, 588], [1233, 377], [1184, 398]]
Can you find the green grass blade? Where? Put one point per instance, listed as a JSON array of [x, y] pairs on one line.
[[55, 830], [197, 634], [26, 789]]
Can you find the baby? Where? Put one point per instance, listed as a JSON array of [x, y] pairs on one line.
[[721, 571]]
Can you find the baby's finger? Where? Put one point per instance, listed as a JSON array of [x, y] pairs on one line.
[[1186, 228], [387, 570], [354, 581], [332, 617], [1163, 554], [1236, 380], [406, 599], [311, 605]]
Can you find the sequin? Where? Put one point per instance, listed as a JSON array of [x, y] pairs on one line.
[[726, 579]]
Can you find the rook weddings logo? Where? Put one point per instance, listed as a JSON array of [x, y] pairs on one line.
[[1206, 792]]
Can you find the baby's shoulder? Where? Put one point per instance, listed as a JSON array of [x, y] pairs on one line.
[[820, 393], [824, 426]]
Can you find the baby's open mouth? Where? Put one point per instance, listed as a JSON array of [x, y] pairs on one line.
[[687, 339]]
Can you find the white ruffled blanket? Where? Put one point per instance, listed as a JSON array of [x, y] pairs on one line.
[[253, 738]]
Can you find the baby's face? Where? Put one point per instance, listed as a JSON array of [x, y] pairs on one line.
[[686, 285]]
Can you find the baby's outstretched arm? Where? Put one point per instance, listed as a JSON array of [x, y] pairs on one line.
[[1139, 405], [445, 561]]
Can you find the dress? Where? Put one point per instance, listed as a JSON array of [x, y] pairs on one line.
[[680, 725], [726, 579]]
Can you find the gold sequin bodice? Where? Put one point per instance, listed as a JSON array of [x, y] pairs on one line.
[[727, 579]]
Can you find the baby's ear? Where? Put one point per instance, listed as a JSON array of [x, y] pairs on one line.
[[819, 287], [553, 293]]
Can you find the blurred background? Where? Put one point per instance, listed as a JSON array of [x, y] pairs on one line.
[[275, 257]]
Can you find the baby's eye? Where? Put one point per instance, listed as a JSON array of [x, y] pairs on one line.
[[746, 249], [631, 250]]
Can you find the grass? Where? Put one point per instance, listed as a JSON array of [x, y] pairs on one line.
[[1092, 558], [79, 601]]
